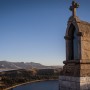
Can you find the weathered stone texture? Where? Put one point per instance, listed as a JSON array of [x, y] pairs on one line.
[[84, 28], [80, 69], [71, 69], [74, 83], [85, 49], [76, 71]]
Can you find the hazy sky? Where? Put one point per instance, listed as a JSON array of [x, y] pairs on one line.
[[34, 30]]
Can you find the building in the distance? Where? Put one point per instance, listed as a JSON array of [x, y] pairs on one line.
[[45, 72], [76, 71]]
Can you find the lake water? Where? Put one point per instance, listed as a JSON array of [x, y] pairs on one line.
[[45, 85]]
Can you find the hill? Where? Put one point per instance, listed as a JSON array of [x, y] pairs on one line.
[[22, 65]]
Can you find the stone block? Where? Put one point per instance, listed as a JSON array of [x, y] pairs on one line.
[[83, 79], [74, 83]]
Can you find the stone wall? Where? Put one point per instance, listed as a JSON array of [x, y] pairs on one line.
[[85, 41], [74, 83], [85, 49]]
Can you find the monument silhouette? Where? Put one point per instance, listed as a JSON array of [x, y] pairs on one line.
[[76, 70]]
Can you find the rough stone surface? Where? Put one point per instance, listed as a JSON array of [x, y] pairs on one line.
[[83, 34], [76, 71], [80, 69], [74, 83]]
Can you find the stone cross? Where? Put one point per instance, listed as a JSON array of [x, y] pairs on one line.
[[73, 8]]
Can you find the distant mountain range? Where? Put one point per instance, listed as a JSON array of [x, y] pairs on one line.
[[22, 65]]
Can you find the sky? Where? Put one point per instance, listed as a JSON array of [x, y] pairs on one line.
[[34, 30]]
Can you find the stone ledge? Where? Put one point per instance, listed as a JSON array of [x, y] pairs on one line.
[[77, 61], [75, 79]]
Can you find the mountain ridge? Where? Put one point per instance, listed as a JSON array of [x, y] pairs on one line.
[[25, 65]]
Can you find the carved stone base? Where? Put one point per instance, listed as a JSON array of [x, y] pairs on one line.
[[76, 68], [74, 83]]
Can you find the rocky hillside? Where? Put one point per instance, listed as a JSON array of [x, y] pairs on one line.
[[22, 65]]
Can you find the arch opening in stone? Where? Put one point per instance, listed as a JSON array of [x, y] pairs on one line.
[[73, 43]]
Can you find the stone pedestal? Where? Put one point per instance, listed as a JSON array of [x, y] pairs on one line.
[[75, 75], [74, 83]]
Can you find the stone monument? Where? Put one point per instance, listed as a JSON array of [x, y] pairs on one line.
[[76, 70]]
